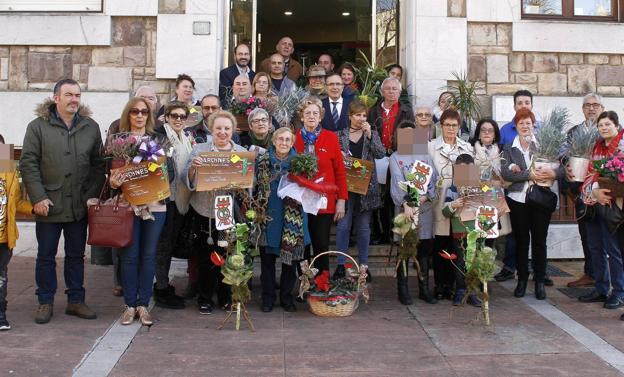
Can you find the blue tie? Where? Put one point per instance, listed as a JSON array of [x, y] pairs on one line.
[[335, 114]]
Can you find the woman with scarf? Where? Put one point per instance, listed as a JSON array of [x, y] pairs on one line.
[[221, 125], [604, 246], [285, 232], [359, 141], [138, 260], [176, 114], [312, 139], [258, 138]]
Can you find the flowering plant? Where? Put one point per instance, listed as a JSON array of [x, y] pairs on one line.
[[611, 167], [127, 147], [245, 107], [335, 289]]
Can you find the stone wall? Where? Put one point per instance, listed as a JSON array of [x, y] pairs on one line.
[[492, 63], [126, 64]]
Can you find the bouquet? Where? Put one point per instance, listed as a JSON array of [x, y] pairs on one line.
[[287, 106], [611, 167], [126, 147], [122, 146], [245, 107]]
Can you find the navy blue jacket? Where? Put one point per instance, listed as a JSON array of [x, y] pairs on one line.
[[343, 122], [226, 79]]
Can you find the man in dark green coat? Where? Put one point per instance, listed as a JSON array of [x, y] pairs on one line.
[[62, 167]]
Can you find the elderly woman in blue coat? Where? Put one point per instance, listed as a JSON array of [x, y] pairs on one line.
[[400, 166], [285, 233]]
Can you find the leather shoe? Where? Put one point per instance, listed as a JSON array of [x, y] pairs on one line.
[[520, 288], [291, 308], [548, 281], [540, 291], [267, 308], [44, 313], [593, 296], [613, 302], [80, 310], [583, 281], [504, 274]]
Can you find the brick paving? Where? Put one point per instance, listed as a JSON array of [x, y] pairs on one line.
[[383, 338]]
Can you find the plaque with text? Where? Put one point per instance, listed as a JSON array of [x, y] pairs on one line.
[[221, 170], [359, 174], [145, 182]]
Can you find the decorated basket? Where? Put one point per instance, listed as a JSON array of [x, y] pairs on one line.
[[616, 188], [336, 305]]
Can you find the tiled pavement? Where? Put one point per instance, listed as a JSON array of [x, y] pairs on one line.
[[383, 338]]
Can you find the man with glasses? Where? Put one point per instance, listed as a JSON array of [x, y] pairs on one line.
[[62, 167], [240, 67], [592, 107], [336, 106], [210, 104]]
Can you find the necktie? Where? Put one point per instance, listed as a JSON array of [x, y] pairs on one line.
[[335, 115]]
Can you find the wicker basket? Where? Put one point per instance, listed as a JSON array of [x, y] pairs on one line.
[[617, 188], [342, 306]]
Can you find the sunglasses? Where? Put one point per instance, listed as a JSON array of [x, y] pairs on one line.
[[178, 116], [136, 112]]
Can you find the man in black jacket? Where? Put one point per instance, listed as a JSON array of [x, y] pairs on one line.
[[241, 67]]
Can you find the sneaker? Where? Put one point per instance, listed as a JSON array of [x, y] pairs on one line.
[[44, 313], [4, 324], [205, 308], [128, 316], [144, 316], [504, 275], [80, 310], [613, 302], [459, 297], [473, 300]]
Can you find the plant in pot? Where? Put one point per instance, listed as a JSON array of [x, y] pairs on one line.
[[466, 101], [371, 78], [581, 140], [550, 140]]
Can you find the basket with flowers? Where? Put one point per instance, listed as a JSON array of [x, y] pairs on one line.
[[611, 174], [241, 110]]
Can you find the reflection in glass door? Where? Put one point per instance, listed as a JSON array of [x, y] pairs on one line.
[[242, 24]]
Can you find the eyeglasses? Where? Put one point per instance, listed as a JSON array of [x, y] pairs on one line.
[[260, 120], [450, 125], [211, 108], [178, 116], [136, 112], [486, 131], [592, 105], [423, 115], [308, 113]]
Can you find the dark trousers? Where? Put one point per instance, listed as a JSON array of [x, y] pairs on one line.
[[509, 259], [382, 217], [164, 249], [530, 226], [48, 235], [319, 227], [459, 248], [443, 274], [5, 258], [267, 278], [582, 227], [210, 279]]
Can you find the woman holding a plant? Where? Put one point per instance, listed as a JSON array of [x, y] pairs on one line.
[[529, 222], [323, 144], [285, 228], [608, 162], [138, 261]]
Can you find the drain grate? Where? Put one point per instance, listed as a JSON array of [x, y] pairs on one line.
[[575, 292], [553, 271]]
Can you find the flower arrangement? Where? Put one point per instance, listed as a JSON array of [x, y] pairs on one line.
[[127, 147], [611, 167], [371, 78], [550, 136], [245, 107], [304, 165], [407, 227], [287, 105]]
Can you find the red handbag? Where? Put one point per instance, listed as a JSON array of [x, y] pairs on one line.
[[110, 223]]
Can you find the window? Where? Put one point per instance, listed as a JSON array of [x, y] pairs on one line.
[[51, 5], [594, 10]]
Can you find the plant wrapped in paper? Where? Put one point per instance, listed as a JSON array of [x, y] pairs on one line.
[[371, 78], [580, 140], [329, 297], [287, 106], [610, 172], [407, 227], [550, 139]]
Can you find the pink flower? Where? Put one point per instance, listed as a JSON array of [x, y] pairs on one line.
[[247, 111], [621, 177]]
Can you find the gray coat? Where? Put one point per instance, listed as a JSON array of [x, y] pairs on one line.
[[371, 150], [400, 164], [513, 155], [63, 165]]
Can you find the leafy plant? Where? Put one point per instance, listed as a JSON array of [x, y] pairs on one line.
[[286, 105], [245, 107], [550, 136], [465, 99], [371, 78], [304, 165], [581, 141]]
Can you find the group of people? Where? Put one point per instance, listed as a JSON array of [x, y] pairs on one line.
[[63, 164]]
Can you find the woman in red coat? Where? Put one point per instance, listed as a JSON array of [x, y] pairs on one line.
[[324, 144]]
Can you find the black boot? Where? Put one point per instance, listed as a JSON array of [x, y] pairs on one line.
[[520, 288], [402, 287], [166, 298], [540, 290], [423, 284], [339, 272]]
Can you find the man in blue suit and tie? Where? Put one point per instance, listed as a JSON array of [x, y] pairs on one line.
[[336, 106], [241, 67]]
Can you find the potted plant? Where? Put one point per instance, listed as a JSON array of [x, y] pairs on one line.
[[241, 110], [611, 174], [581, 140], [466, 101], [371, 78], [286, 106], [550, 139]]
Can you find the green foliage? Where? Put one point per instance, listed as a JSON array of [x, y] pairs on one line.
[[581, 140], [238, 267], [465, 98], [370, 76], [304, 165], [550, 136]]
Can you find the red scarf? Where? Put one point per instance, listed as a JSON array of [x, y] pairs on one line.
[[389, 120], [601, 151]]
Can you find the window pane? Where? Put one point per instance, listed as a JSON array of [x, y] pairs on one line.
[[547, 7], [593, 8]]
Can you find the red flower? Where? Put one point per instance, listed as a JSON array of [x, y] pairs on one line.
[[348, 265], [217, 259], [322, 281], [444, 254]]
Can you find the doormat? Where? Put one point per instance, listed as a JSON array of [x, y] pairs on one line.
[[575, 292], [553, 271]]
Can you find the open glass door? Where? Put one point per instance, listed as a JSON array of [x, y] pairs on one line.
[[241, 27]]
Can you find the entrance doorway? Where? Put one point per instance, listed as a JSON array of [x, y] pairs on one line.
[[341, 28]]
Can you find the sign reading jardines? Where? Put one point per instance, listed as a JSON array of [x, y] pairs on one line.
[[145, 182], [225, 169]]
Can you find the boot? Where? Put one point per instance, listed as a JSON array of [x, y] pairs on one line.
[[402, 287], [4, 323], [166, 298], [540, 291], [423, 284], [520, 288]]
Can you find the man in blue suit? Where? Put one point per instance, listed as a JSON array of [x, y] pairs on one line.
[[336, 106], [241, 67]]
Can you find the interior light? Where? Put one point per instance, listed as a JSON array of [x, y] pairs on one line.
[[346, 14], [288, 13]]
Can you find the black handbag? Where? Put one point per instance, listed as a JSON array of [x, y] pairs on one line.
[[541, 198], [612, 215]]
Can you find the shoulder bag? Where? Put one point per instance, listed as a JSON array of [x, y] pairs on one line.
[[110, 222], [541, 198]]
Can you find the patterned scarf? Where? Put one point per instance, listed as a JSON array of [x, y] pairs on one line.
[[309, 138]]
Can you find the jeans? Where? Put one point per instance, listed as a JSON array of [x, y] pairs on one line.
[[319, 227], [116, 253], [361, 222], [138, 260], [530, 226], [267, 278], [48, 235], [606, 258], [5, 258], [588, 265]]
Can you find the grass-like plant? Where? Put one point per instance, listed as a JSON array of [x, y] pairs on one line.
[[465, 98], [550, 136], [581, 141]]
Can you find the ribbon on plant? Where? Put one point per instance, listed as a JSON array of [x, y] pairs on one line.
[[148, 151]]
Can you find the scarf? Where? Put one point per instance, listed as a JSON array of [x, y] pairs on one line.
[[488, 157], [309, 138], [181, 146], [600, 151], [264, 143], [388, 125], [292, 242]]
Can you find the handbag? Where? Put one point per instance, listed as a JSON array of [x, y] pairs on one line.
[[541, 198], [110, 223]]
